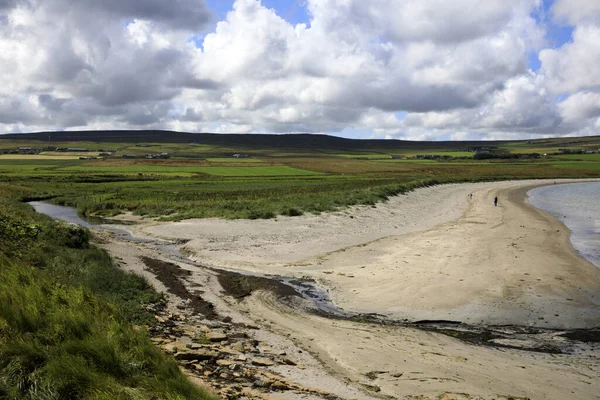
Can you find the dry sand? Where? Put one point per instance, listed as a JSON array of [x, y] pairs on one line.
[[431, 254], [409, 362]]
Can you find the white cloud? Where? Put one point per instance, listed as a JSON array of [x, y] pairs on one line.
[[354, 66], [574, 66], [575, 12], [580, 106]]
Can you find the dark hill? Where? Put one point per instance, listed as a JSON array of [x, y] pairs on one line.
[[281, 141]]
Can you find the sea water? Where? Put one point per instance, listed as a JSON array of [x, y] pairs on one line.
[[577, 205]]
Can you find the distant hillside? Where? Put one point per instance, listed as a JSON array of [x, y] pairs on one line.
[[283, 141]]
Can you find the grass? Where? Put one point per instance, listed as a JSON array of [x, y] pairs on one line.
[[234, 160], [35, 157], [70, 153], [588, 166], [203, 180], [188, 170], [66, 318], [579, 157]]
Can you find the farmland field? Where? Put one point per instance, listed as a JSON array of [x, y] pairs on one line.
[[281, 175], [234, 160], [35, 157]]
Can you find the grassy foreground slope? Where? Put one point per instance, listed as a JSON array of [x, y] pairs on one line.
[[66, 319]]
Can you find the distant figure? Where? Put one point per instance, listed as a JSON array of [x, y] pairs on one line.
[[470, 195], [495, 201]]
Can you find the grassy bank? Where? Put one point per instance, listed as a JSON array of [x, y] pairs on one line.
[[67, 316]]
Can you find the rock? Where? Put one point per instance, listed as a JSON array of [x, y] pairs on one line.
[[198, 355], [372, 388], [216, 336], [238, 347], [197, 367], [241, 357], [263, 382], [262, 362], [265, 350], [160, 319], [229, 351], [227, 320], [252, 326], [173, 347], [287, 361], [446, 396], [397, 375], [225, 363], [278, 385]]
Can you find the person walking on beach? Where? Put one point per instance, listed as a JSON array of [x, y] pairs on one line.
[[495, 201]]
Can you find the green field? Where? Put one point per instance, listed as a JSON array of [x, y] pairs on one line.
[[35, 157], [234, 160], [283, 175]]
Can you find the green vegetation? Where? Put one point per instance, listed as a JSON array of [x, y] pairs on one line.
[[66, 315], [234, 160], [282, 175]]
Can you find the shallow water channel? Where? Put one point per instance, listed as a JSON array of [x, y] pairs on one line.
[[518, 337]]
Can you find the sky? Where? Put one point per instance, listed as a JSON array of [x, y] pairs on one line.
[[404, 69]]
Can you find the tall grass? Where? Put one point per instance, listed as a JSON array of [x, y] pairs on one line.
[[66, 314]]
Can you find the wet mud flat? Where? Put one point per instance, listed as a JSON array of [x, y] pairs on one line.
[[305, 294], [171, 275]]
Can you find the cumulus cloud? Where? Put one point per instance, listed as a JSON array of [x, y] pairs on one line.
[[355, 65], [574, 12], [574, 66]]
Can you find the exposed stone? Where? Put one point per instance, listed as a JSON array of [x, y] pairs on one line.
[[372, 388], [198, 355], [216, 336], [287, 361], [197, 367], [174, 347], [225, 363], [278, 385], [262, 362], [229, 351]]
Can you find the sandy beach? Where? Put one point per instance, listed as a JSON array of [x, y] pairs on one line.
[[434, 254]]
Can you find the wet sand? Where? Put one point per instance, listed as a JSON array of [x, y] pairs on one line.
[[434, 254]]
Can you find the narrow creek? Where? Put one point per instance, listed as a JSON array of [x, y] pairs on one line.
[[515, 337]]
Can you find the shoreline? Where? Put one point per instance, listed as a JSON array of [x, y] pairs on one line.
[[361, 271], [362, 360]]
